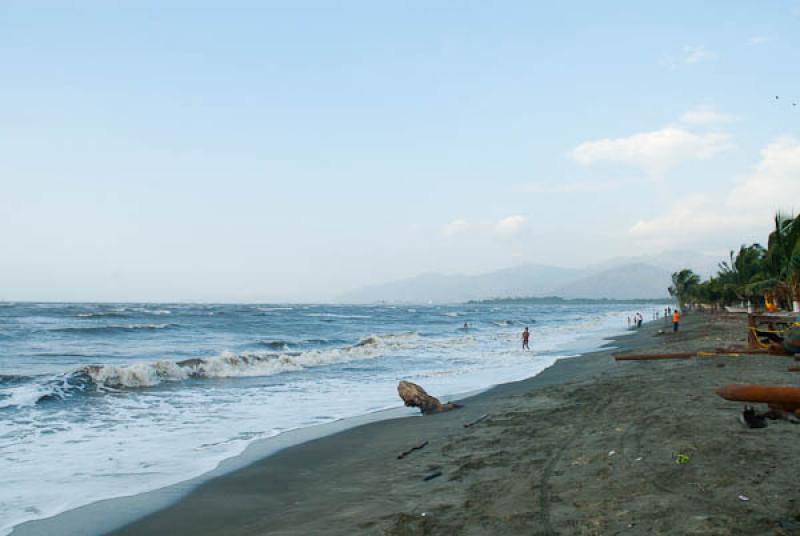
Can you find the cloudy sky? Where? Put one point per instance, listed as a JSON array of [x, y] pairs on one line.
[[272, 151]]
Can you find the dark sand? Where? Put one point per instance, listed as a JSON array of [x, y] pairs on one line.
[[587, 447]]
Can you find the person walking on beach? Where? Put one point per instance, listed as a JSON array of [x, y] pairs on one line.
[[676, 318], [525, 336]]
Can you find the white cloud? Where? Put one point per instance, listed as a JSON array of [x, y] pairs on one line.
[[686, 219], [505, 227], [773, 185], [688, 55], [510, 226], [697, 54], [455, 227], [757, 40], [705, 116], [655, 151], [776, 179]]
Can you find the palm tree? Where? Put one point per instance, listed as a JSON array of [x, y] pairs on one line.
[[744, 268], [783, 259], [684, 286]]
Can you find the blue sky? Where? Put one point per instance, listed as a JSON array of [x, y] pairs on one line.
[[290, 151]]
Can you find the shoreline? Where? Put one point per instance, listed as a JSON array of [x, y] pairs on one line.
[[304, 454], [111, 514], [588, 446]]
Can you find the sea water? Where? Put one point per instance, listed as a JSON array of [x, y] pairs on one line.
[[107, 400]]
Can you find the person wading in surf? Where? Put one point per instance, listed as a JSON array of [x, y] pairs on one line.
[[525, 336]]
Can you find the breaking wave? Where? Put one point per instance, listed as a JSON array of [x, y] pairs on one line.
[[100, 330], [337, 315], [226, 365], [97, 314], [275, 345]]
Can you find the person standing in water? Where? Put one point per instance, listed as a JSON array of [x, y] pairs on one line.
[[525, 337]]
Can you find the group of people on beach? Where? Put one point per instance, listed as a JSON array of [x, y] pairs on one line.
[[636, 321], [669, 313]]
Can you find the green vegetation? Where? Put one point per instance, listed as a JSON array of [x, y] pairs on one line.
[[555, 300], [755, 275]]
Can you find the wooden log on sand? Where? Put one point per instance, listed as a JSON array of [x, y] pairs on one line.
[[476, 421], [777, 397], [740, 350], [650, 357], [412, 449], [415, 396], [689, 355]]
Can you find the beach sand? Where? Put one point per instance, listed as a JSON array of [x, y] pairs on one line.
[[587, 447]]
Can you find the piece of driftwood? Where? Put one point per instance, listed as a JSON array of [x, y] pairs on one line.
[[432, 476], [415, 396], [689, 355], [650, 357], [476, 421], [740, 350], [777, 397], [412, 449]]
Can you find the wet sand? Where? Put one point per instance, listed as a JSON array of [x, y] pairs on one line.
[[589, 446]]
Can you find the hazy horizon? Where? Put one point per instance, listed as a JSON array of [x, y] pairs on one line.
[[242, 153], [341, 297]]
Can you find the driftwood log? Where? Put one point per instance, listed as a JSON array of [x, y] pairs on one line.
[[412, 449], [777, 397], [415, 396], [476, 421], [650, 357], [699, 353]]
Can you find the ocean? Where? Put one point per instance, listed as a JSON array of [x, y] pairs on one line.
[[107, 400]]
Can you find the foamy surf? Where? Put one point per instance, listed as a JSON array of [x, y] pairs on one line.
[[140, 409], [226, 365]]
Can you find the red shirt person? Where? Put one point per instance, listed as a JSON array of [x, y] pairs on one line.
[[525, 336]]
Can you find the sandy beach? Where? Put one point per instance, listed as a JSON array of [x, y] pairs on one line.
[[587, 447]]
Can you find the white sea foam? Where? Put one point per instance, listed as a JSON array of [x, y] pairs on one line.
[[336, 315], [226, 365], [141, 439], [243, 364], [112, 327]]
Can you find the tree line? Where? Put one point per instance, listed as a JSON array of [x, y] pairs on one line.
[[765, 277]]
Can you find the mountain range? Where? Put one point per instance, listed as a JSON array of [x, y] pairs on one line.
[[641, 277]]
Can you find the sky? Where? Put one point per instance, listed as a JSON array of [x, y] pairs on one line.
[[290, 151]]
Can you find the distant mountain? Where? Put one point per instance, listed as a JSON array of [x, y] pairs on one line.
[[643, 277], [624, 282], [671, 261], [524, 280]]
